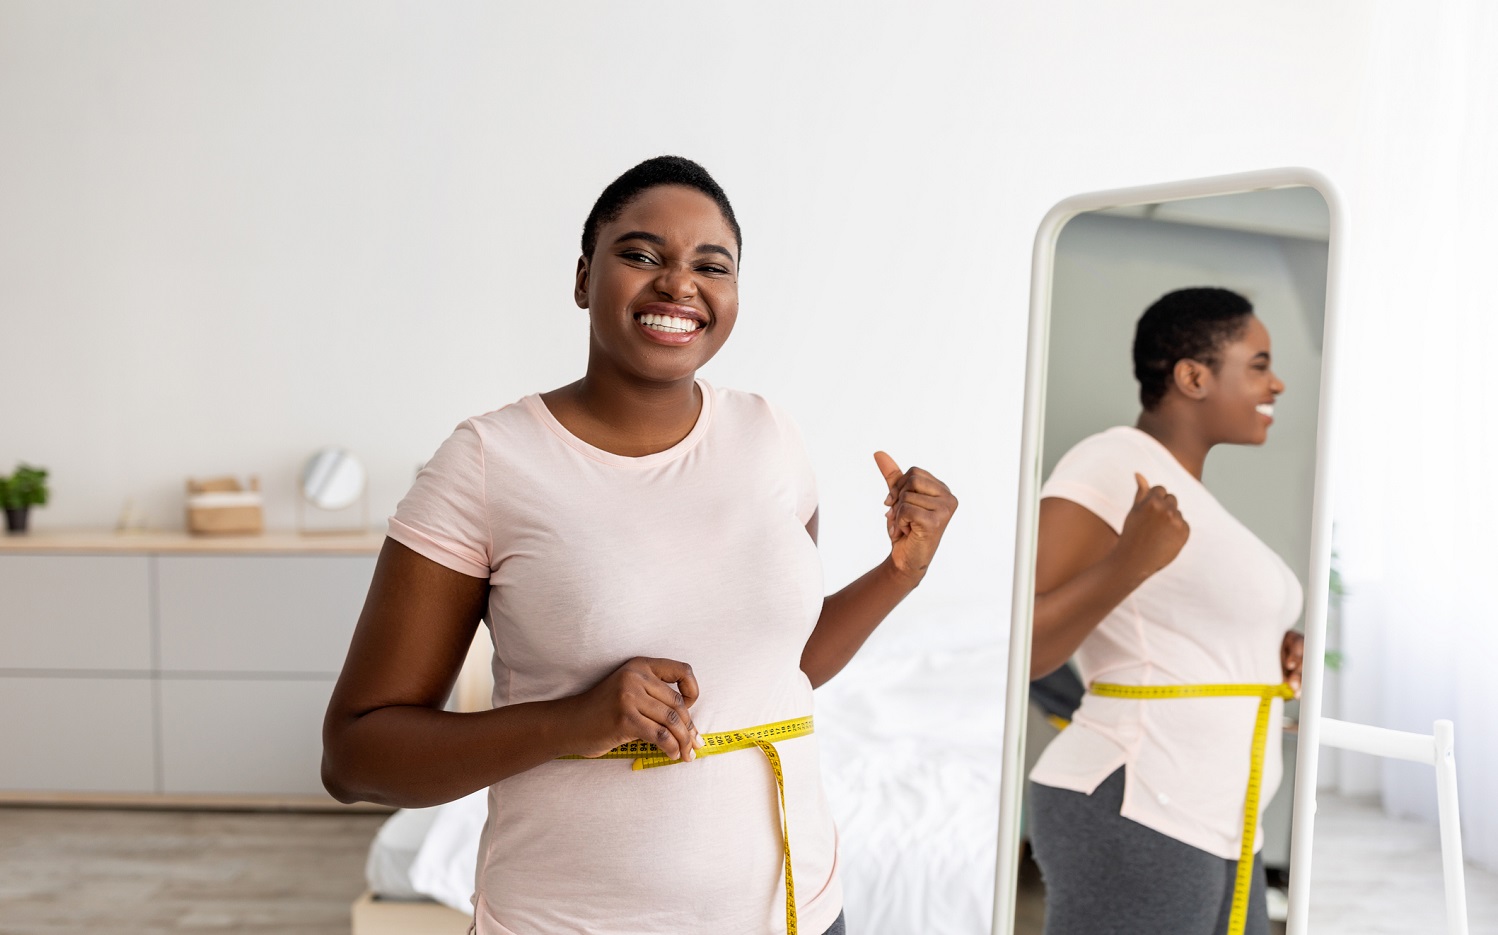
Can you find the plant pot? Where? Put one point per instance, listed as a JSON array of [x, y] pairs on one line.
[[15, 520]]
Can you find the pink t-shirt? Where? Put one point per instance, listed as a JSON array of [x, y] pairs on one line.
[[1215, 614], [698, 553]]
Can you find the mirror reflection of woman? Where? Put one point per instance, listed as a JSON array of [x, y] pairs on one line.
[[642, 546], [1146, 580]]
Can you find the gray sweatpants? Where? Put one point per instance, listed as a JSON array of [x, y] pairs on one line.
[[1107, 875]]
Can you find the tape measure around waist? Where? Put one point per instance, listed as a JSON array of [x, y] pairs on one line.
[[1266, 694], [764, 737]]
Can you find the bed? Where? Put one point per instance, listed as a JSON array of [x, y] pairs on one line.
[[911, 738]]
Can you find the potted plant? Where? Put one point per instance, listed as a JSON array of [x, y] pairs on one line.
[[21, 491]]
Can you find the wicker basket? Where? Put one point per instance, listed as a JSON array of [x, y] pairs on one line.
[[220, 506]]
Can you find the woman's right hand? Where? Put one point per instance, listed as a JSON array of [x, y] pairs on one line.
[[1154, 532], [644, 699]]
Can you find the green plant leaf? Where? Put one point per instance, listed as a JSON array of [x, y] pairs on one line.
[[26, 487]]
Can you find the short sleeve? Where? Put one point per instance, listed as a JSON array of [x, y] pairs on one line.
[[1097, 474], [444, 516], [798, 463]]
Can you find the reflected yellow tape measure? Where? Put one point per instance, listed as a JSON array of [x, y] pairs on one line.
[[1265, 694], [649, 756]]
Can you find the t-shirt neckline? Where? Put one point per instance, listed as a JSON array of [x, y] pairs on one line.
[[538, 408], [1159, 447]]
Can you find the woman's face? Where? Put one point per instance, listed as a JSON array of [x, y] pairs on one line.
[[661, 287], [1244, 388]]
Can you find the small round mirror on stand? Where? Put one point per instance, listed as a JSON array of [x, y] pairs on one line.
[[333, 481]]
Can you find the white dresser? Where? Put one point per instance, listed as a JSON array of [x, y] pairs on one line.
[[163, 667]]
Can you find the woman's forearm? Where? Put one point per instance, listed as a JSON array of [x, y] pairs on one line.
[[410, 756], [1065, 615], [849, 616]]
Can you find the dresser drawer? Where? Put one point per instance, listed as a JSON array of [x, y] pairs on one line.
[[253, 737], [75, 612], [76, 735], [260, 613]]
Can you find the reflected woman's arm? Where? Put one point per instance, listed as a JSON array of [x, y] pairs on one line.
[[1083, 569]]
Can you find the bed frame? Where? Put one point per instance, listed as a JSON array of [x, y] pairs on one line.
[[375, 916]]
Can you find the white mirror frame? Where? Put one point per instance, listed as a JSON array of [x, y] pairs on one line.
[[1023, 607]]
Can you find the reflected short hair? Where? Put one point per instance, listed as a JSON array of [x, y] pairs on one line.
[[661, 170], [1187, 324]]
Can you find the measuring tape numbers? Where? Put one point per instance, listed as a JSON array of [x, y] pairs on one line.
[[1265, 694], [764, 737]]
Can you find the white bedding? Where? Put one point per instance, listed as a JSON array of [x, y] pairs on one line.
[[911, 761], [911, 756], [429, 853]]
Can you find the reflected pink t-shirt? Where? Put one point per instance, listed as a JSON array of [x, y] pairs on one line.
[[1216, 614], [698, 553]]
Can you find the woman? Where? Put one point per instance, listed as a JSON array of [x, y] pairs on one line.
[[1139, 805], [642, 546]]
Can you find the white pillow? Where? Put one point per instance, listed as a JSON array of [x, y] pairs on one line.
[[447, 862], [388, 868]]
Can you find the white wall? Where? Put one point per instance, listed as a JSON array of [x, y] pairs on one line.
[[1417, 435], [233, 232]]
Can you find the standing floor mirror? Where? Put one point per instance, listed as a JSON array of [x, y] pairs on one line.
[[1100, 261]]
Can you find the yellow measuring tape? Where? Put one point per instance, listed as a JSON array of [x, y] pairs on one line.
[[1265, 694], [648, 755]]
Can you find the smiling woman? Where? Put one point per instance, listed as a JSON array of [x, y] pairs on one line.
[[660, 263], [642, 547]]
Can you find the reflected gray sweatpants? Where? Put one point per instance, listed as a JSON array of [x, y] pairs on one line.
[[1108, 875]]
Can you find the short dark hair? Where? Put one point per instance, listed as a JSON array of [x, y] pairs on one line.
[[661, 170], [1187, 324]]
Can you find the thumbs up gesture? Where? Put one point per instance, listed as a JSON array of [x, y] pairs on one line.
[[920, 506], [1154, 532]]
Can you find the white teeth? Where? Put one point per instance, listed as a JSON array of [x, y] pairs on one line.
[[669, 323], [1265, 409]]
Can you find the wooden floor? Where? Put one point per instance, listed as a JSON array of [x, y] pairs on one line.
[[137, 872]]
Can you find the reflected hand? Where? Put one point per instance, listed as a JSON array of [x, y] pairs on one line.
[[1154, 532], [644, 699], [920, 506], [1292, 658]]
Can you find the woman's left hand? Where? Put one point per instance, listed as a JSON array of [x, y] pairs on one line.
[[920, 506], [1292, 657]]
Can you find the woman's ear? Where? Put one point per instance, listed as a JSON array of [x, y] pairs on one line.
[[580, 288], [1192, 378]]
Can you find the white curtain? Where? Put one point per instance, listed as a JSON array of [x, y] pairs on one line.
[[1416, 441]]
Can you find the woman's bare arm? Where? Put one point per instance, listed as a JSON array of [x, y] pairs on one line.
[[849, 617], [920, 506], [386, 738]]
